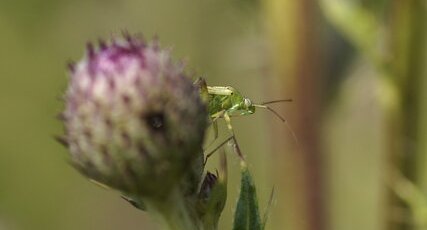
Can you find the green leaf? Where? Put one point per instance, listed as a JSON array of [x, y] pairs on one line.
[[137, 203], [247, 213]]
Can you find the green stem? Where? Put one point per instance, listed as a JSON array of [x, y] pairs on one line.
[[173, 213]]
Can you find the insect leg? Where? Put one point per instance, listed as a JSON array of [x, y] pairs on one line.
[[214, 120], [227, 119], [230, 127], [228, 122], [216, 149], [215, 128], [214, 123], [217, 115]]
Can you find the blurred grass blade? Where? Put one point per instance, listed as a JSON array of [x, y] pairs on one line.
[[268, 209], [247, 213], [412, 196], [356, 23]]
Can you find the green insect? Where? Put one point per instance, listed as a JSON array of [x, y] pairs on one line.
[[226, 102]]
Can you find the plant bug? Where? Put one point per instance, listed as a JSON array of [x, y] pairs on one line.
[[226, 102]]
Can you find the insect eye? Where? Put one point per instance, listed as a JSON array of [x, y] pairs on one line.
[[156, 121], [247, 102]]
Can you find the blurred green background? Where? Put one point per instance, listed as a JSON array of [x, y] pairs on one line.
[[356, 70]]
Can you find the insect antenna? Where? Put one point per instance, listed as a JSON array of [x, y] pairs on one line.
[[264, 106], [276, 101], [272, 110]]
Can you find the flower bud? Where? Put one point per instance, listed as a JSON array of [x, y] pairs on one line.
[[133, 119], [211, 200]]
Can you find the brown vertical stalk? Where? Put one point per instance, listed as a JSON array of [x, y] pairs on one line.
[[295, 50], [292, 27], [308, 81]]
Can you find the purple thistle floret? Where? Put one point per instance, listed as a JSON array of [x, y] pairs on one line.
[[133, 119]]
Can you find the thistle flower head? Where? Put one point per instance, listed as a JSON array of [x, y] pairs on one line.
[[133, 120]]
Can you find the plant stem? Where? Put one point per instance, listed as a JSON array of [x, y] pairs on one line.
[[173, 213]]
